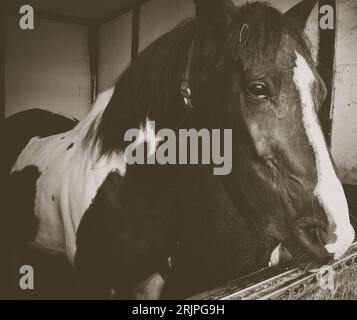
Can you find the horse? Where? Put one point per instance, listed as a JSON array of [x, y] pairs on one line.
[[170, 231]]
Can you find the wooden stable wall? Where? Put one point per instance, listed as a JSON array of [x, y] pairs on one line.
[[47, 67], [344, 129], [114, 49]]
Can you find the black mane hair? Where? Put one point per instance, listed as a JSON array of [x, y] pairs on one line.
[[150, 86]]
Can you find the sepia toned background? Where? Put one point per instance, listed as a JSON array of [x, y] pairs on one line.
[[79, 48]]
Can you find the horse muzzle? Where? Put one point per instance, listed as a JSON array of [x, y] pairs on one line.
[[312, 236]]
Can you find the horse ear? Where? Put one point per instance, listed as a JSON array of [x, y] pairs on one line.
[[215, 13], [301, 11]]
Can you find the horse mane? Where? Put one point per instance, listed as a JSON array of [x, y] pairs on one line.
[[150, 86]]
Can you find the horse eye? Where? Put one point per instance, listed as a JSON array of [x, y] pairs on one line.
[[259, 90]]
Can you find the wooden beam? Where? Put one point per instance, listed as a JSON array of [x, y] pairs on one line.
[[326, 68], [135, 33]]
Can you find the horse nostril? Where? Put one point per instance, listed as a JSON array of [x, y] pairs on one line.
[[312, 236]]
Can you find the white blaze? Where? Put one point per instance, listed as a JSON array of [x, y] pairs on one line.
[[328, 190]]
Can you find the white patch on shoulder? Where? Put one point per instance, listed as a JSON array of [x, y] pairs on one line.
[[70, 178], [328, 190]]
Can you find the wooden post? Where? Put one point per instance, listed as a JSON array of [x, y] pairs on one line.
[[326, 68], [93, 59]]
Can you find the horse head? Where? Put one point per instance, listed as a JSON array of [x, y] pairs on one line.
[[255, 75]]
